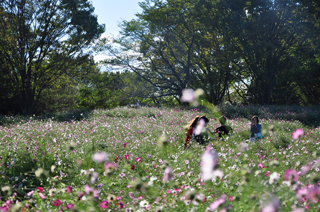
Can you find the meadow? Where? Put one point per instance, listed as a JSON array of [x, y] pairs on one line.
[[133, 159]]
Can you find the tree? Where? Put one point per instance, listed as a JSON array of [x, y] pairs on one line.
[[170, 48], [268, 38], [39, 40]]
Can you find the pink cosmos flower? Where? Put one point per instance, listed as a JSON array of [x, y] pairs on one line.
[[216, 204], [122, 174], [291, 175], [138, 159], [230, 198], [88, 189], [267, 173], [297, 133], [100, 157], [57, 203], [210, 160], [42, 196], [132, 167], [69, 206], [188, 95], [104, 204], [109, 166], [30, 193], [126, 156], [301, 193], [167, 174], [260, 165], [314, 194], [69, 189], [161, 161], [305, 169]]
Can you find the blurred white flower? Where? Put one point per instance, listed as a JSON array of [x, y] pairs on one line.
[[167, 174], [100, 157], [188, 95], [273, 177], [144, 203], [209, 160]]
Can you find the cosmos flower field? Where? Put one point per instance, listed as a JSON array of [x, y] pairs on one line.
[[133, 159]]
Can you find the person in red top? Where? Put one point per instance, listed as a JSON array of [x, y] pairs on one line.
[[195, 125], [189, 132]]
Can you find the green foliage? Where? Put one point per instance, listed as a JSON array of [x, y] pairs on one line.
[[42, 43]]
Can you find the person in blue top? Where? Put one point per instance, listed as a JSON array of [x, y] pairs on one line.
[[255, 128]]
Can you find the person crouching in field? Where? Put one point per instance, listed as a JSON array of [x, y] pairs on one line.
[[197, 130], [223, 129], [255, 129]]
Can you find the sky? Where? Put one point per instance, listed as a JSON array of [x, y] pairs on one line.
[[111, 12]]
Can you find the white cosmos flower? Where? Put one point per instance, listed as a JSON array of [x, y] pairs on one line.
[[144, 203], [273, 177]]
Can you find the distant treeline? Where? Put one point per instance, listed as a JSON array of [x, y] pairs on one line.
[[237, 51]]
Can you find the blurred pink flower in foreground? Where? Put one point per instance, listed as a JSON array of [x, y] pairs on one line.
[[200, 125], [298, 210], [291, 175], [99, 157], [109, 167], [167, 174], [216, 204], [188, 95], [209, 160], [297, 133], [302, 193], [272, 206]]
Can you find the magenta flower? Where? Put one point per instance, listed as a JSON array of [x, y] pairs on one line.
[[297, 133], [40, 189], [69, 189], [188, 95], [230, 198], [167, 174], [138, 159], [126, 156], [57, 203], [104, 204], [69, 206], [100, 157], [132, 167], [120, 204], [267, 173], [216, 204], [209, 160], [291, 175]]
